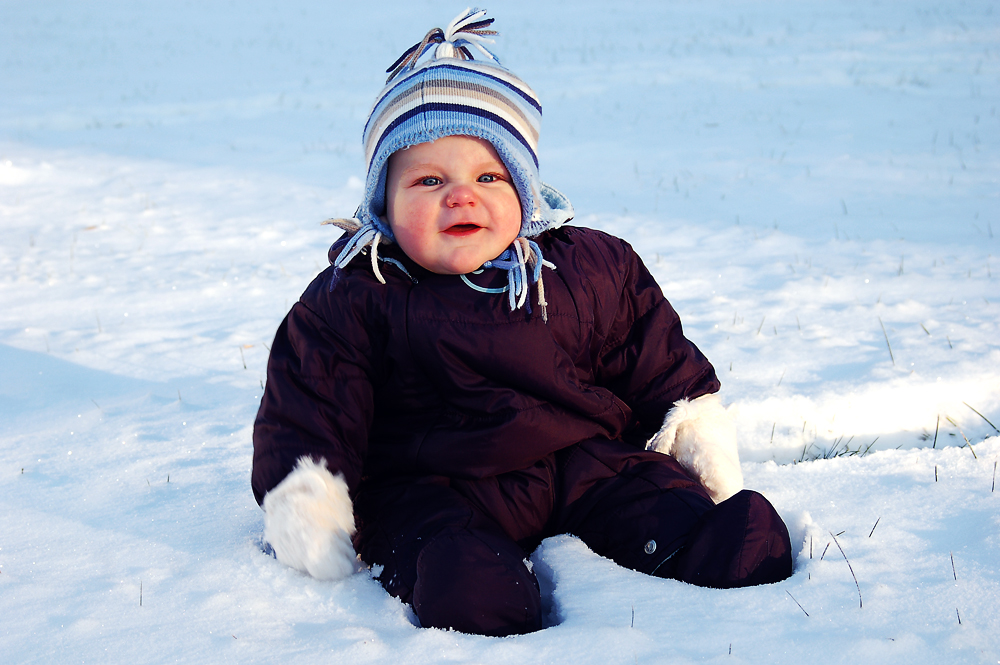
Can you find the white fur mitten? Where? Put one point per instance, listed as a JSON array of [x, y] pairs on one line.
[[309, 521], [701, 436]]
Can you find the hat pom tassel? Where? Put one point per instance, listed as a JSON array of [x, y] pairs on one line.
[[468, 29]]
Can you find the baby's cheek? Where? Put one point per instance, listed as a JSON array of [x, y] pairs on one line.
[[408, 242]]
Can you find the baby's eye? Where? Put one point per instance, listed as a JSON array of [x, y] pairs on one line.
[[489, 177], [430, 181]]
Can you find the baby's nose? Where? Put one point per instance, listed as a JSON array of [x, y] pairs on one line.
[[460, 195]]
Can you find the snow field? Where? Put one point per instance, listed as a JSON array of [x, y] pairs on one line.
[[813, 185]]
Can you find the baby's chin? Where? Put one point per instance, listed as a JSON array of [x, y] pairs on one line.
[[458, 265], [463, 261], [456, 269]]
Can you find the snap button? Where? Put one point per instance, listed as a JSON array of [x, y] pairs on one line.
[[650, 547]]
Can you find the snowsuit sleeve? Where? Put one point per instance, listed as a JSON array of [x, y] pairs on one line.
[[646, 360], [318, 401]]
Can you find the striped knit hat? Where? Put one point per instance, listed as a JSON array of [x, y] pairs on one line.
[[451, 94]]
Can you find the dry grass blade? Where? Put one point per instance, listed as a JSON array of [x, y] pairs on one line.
[[967, 442], [983, 417], [884, 333], [861, 602], [797, 602]]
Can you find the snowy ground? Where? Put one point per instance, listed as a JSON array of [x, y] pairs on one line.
[[814, 184]]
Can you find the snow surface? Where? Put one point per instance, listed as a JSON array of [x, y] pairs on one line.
[[814, 184]]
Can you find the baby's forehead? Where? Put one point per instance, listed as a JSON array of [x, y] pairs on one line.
[[456, 150]]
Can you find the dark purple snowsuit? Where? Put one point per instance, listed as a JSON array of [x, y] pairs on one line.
[[467, 433]]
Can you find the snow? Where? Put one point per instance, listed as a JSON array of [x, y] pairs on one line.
[[814, 185]]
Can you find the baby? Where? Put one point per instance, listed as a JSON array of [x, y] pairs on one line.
[[472, 375]]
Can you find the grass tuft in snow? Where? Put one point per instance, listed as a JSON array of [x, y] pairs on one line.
[[840, 448]]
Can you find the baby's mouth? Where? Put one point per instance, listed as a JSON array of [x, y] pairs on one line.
[[462, 229]]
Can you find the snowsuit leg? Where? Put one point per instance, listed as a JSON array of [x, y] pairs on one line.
[[740, 542], [635, 507], [640, 509], [444, 556]]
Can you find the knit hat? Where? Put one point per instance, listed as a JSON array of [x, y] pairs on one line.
[[451, 93]]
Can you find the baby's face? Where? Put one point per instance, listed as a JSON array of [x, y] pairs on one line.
[[451, 204]]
